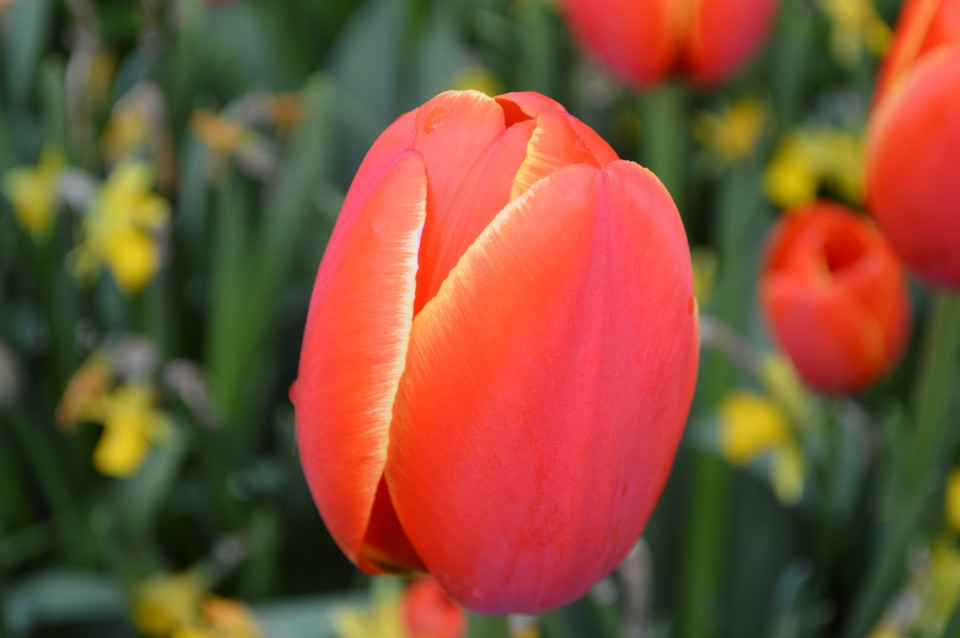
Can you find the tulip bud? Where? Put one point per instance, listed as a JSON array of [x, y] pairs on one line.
[[834, 295], [499, 356], [913, 137], [642, 41]]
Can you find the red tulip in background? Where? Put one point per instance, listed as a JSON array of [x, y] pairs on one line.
[[500, 353], [428, 613], [643, 41], [834, 295], [913, 182]]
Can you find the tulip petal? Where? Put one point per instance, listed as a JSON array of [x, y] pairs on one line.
[[554, 144], [455, 224], [545, 392], [836, 344], [353, 355], [922, 26], [723, 34], [911, 183], [532, 105], [638, 40]]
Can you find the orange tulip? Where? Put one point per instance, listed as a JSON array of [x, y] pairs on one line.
[[914, 134], [500, 353], [643, 41], [834, 295]]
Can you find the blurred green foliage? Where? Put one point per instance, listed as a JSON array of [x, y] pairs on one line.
[[253, 117]]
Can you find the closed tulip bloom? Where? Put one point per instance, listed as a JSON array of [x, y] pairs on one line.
[[499, 356], [834, 296], [643, 41], [914, 134]]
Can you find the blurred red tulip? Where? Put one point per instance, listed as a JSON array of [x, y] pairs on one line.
[[500, 353], [643, 41], [834, 295], [428, 613], [914, 134]]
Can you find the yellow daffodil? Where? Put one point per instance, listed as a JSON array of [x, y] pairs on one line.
[[382, 618], [733, 134], [118, 232], [886, 630], [752, 425], [781, 380], [127, 131], [855, 26], [33, 192], [131, 423], [221, 135], [808, 158], [944, 594], [85, 390], [229, 139], [222, 618], [285, 110], [230, 617], [165, 603], [791, 178], [952, 501]]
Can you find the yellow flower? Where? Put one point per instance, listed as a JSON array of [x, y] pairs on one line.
[[944, 594], [166, 602], [285, 110], [839, 156], [752, 425], [952, 501], [381, 619], [886, 630], [781, 380], [230, 617], [787, 471], [733, 134], [855, 26], [119, 229], [476, 78], [85, 390], [791, 178], [808, 158], [130, 424], [220, 135], [222, 618], [127, 131], [33, 192]]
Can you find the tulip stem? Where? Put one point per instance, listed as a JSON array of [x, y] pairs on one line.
[[665, 125], [921, 469]]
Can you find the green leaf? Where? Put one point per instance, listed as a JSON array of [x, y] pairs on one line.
[[28, 26]]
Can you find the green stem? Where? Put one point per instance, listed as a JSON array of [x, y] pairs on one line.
[[922, 466], [665, 152], [739, 214]]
